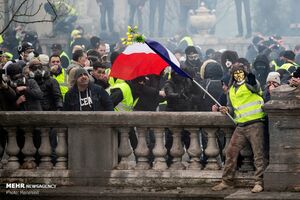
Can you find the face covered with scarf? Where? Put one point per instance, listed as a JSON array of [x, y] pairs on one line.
[[194, 59]]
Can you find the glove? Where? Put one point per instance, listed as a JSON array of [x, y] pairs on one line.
[[251, 79]]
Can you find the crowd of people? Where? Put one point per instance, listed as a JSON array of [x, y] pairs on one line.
[[78, 79]]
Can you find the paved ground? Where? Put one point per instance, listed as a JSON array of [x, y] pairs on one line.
[[145, 193]]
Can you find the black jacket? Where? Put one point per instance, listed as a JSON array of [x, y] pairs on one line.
[[149, 95], [100, 99], [7, 98], [33, 96], [178, 94], [52, 98]]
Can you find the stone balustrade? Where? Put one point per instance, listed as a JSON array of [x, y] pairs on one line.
[[84, 148]]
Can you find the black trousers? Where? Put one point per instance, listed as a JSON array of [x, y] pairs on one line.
[[238, 4]]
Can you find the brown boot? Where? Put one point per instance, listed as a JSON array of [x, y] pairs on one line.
[[257, 188], [221, 186]]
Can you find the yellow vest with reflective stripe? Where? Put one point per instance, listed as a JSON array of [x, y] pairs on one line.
[[63, 82], [247, 105], [71, 10], [188, 40], [127, 104], [66, 55], [274, 64], [1, 39], [111, 80], [287, 66]]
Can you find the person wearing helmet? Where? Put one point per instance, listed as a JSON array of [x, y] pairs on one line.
[[26, 51]]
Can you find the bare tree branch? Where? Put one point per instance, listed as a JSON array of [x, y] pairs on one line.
[[26, 4], [30, 15], [12, 18]]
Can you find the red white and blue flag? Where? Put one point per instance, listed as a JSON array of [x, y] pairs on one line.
[[141, 59]]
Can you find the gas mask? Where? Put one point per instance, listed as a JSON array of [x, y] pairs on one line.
[[17, 80], [239, 76], [37, 72], [30, 56]]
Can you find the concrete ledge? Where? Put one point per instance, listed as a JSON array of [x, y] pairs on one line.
[[244, 194], [136, 193], [173, 178]]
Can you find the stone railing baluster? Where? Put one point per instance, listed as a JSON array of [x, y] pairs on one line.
[[194, 150], [228, 133], [45, 150], [12, 149], [212, 150], [177, 150], [29, 150], [61, 149], [125, 150], [159, 150], [142, 150]]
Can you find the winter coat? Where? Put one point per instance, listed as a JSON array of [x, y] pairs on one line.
[[149, 95], [52, 99], [211, 74], [7, 99], [33, 96], [261, 69], [178, 94], [106, 3], [100, 99], [137, 2]]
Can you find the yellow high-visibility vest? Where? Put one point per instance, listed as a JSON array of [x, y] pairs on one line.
[[63, 82], [128, 103], [247, 105]]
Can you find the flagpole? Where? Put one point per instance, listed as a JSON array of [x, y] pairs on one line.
[[204, 90]]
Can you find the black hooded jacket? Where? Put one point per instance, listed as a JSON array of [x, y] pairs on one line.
[[52, 98], [100, 99], [261, 69], [211, 74]]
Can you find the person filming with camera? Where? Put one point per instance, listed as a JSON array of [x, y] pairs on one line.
[[28, 93]]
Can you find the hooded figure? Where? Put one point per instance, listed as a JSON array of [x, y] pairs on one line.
[[211, 74], [28, 92], [178, 93], [261, 68], [228, 58], [86, 96], [193, 61], [52, 98]]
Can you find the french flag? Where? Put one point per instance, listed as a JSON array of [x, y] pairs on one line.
[[141, 59]]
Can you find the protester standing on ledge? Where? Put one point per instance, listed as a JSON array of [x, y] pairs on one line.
[[245, 102], [238, 4]]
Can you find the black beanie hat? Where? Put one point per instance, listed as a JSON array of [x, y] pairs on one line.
[[190, 50], [79, 72], [13, 69], [289, 55], [228, 56]]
